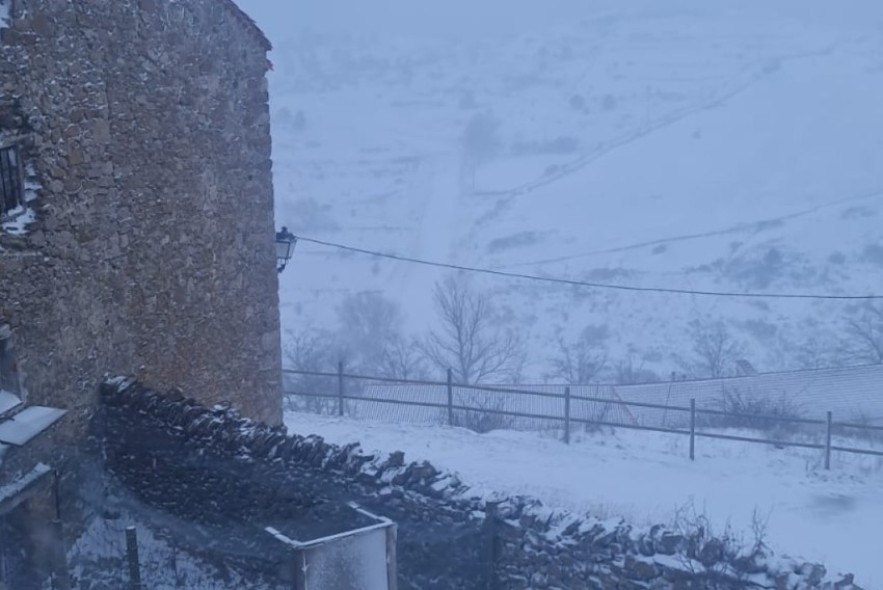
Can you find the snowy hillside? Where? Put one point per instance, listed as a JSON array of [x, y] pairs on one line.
[[737, 149]]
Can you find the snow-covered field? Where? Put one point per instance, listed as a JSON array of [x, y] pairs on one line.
[[834, 517], [734, 146]]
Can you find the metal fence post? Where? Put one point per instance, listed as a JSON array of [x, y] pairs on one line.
[[490, 547], [828, 443], [567, 414], [60, 577], [450, 398], [340, 388], [132, 555], [692, 429]]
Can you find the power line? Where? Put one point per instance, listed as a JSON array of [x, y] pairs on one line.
[[593, 285]]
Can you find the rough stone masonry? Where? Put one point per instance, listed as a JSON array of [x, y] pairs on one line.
[[448, 538], [143, 126]]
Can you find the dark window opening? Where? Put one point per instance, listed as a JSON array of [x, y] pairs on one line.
[[11, 180]]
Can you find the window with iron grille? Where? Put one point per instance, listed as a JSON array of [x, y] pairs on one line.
[[11, 179]]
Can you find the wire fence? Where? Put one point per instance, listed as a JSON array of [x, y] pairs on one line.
[[568, 409]]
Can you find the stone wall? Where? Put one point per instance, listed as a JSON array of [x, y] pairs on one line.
[[217, 470], [145, 126], [448, 539]]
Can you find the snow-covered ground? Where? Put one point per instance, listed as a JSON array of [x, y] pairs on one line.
[[834, 517]]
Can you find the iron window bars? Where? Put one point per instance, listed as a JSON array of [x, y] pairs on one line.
[[11, 179]]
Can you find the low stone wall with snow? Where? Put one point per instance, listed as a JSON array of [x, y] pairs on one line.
[[582, 553], [448, 538]]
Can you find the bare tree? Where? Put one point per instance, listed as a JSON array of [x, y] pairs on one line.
[[310, 351], [403, 360], [821, 350], [715, 351], [627, 372], [467, 341], [579, 362], [370, 326], [865, 330]]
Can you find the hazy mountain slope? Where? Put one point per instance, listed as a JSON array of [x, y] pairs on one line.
[[737, 150]]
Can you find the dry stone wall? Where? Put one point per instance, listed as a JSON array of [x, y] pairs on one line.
[[232, 477], [145, 126], [448, 538]]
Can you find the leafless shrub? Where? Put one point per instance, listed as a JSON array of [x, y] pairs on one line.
[[763, 411], [310, 351], [719, 560], [864, 328], [628, 372], [715, 351], [401, 359], [821, 350], [486, 416], [370, 338], [581, 361], [598, 413]]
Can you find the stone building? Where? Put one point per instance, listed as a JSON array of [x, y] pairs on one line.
[[136, 213]]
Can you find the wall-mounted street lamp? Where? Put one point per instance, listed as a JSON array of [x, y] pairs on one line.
[[285, 243]]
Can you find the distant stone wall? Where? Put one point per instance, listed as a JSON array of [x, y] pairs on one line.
[[448, 538], [145, 126]]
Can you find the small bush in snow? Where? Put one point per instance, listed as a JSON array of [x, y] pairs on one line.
[[767, 412], [485, 417]]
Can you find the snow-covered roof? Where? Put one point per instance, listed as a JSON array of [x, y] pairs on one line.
[[9, 491], [8, 402], [17, 428], [27, 424]]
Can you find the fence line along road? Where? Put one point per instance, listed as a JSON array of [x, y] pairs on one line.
[[484, 408]]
